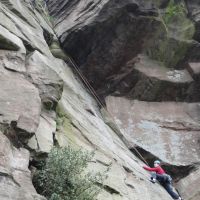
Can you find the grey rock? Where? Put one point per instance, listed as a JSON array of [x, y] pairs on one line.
[[8, 40], [82, 26], [80, 123], [19, 19], [15, 178], [12, 55], [19, 101], [155, 82], [42, 141], [188, 186], [194, 69], [168, 130], [45, 78]]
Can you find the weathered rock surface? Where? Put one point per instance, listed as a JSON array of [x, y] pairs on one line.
[[167, 130], [42, 141], [45, 78], [80, 123], [194, 11], [82, 26], [15, 178], [102, 37], [188, 186], [149, 80], [19, 101], [19, 18], [194, 69]]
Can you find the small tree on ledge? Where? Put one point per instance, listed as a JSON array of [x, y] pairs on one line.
[[64, 176]]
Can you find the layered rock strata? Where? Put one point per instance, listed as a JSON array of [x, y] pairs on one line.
[[33, 82]]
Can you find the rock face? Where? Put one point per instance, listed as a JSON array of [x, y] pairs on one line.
[[137, 27], [187, 186], [169, 131], [43, 102], [140, 50], [17, 94], [15, 178], [193, 8], [85, 25], [32, 83], [80, 123], [149, 80], [45, 78]]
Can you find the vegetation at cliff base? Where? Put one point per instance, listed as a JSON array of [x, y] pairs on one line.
[[64, 176]]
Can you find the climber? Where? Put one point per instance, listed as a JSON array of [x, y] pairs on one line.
[[164, 179]]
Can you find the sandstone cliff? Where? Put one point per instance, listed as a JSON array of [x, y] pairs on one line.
[[142, 63]]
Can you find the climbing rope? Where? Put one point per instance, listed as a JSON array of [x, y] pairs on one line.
[[92, 91]]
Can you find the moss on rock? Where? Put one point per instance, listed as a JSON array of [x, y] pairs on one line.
[[172, 40], [64, 126], [57, 51]]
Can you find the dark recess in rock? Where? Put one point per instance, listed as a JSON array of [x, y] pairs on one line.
[[48, 37]]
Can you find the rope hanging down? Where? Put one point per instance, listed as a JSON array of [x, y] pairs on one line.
[[90, 88]]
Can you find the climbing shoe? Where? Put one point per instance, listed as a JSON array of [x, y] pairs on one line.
[[153, 180]]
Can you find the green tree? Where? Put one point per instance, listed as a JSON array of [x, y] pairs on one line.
[[64, 176]]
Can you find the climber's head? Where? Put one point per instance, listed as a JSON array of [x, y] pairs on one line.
[[156, 163]]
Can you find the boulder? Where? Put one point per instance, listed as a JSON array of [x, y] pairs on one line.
[[168, 130], [194, 69], [150, 80], [44, 76], [42, 141]]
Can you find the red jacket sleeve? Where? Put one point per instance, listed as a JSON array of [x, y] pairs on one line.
[[155, 169]]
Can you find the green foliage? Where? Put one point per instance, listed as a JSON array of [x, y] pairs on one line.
[[64, 176], [174, 37], [174, 10]]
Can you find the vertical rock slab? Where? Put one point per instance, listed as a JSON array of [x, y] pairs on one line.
[[44, 76], [188, 187], [42, 141], [13, 52], [19, 19], [19, 101], [168, 130], [15, 178]]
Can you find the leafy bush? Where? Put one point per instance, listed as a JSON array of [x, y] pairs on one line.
[[64, 176], [174, 10]]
